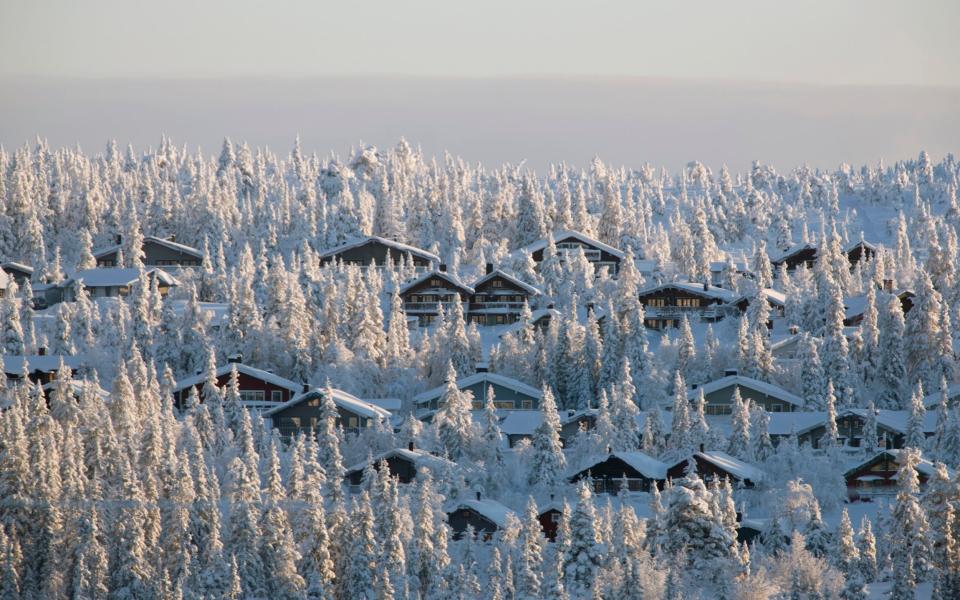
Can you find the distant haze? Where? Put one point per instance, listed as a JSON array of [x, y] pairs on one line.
[[625, 121]]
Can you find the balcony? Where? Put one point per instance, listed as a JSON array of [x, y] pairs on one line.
[[429, 307], [495, 306]]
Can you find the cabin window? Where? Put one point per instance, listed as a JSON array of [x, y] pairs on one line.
[[290, 422], [435, 282], [718, 409], [352, 422], [657, 302], [505, 404], [555, 517], [527, 404], [496, 283], [251, 395], [688, 302], [276, 396]]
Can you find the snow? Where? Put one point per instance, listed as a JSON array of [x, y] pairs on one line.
[[77, 387], [734, 466], [748, 382], [113, 277], [47, 363], [709, 291], [647, 466], [156, 240], [416, 456], [451, 278], [532, 290], [490, 509]]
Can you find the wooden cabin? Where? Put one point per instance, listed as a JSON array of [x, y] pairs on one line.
[[719, 395], [374, 250], [499, 298], [795, 256], [508, 393], [777, 301], [485, 516], [608, 473], [665, 305], [39, 368], [304, 413], [19, 272], [891, 428], [550, 515], [601, 255], [112, 283], [157, 252], [259, 389], [717, 465], [860, 250], [423, 296], [877, 476], [855, 306], [402, 463]]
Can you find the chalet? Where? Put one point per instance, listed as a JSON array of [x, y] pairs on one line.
[[20, 272], [539, 320], [776, 300], [485, 516], [719, 395], [550, 514], [402, 463], [855, 306], [373, 250], [800, 254], [508, 393], [877, 475], [499, 298], [608, 473], [716, 465], [157, 252], [304, 413], [891, 427], [424, 296], [666, 304], [39, 368], [568, 242], [718, 271], [860, 250], [108, 282], [259, 389], [77, 388]]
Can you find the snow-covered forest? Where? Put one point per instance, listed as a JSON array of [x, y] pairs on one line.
[[707, 418]]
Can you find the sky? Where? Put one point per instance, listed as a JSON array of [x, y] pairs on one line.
[[816, 82]]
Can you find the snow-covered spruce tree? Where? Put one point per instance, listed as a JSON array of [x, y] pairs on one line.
[[812, 378], [739, 445], [680, 428], [909, 548], [547, 462], [892, 366], [455, 429], [915, 437], [922, 332], [583, 554]]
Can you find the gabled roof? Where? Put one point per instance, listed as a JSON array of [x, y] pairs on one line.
[[416, 456], [15, 266], [932, 400], [534, 317], [342, 399], [113, 277], [754, 384], [245, 370], [449, 277], [13, 363], [851, 246], [491, 510], [924, 467], [154, 240], [854, 306], [801, 422], [532, 290], [647, 466], [394, 245], [569, 233], [698, 289], [773, 297], [734, 466], [77, 387], [793, 250], [485, 377]]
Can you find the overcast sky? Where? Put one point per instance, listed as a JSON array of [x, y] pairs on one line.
[[631, 81]]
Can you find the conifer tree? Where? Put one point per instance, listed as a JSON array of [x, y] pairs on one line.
[[739, 445], [547, 462], [583, 555]]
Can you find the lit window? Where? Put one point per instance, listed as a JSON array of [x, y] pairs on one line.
[[251, 395], [276, 396]]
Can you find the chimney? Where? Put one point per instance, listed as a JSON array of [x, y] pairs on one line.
[[118, 239], [410, 446], [172, 238], [235, 358], [609, 449], [42, 350], [478, 495], [551, 497], [706, 286], [730, 372], [306, 388], [739, 517], [443, 267], [701, 448], [489, 268]]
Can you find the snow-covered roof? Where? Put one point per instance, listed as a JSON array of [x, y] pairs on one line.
[[113, 277], [260, 374], [532, 290], [394, 245], [13, 363], [15, 266], [800, 422], [851, 246], [419, 458], [734, 466], [569, 233], [699, 289], [450, 277], [491, 510], [792, 250], [342, 399], [754, 384], [485, 377], [924, 467], [391, 404], [854, 306], [647, 466], [178, 247], [534, 317], [719, 266], [77, 387], [932, 400], [773, 297]]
